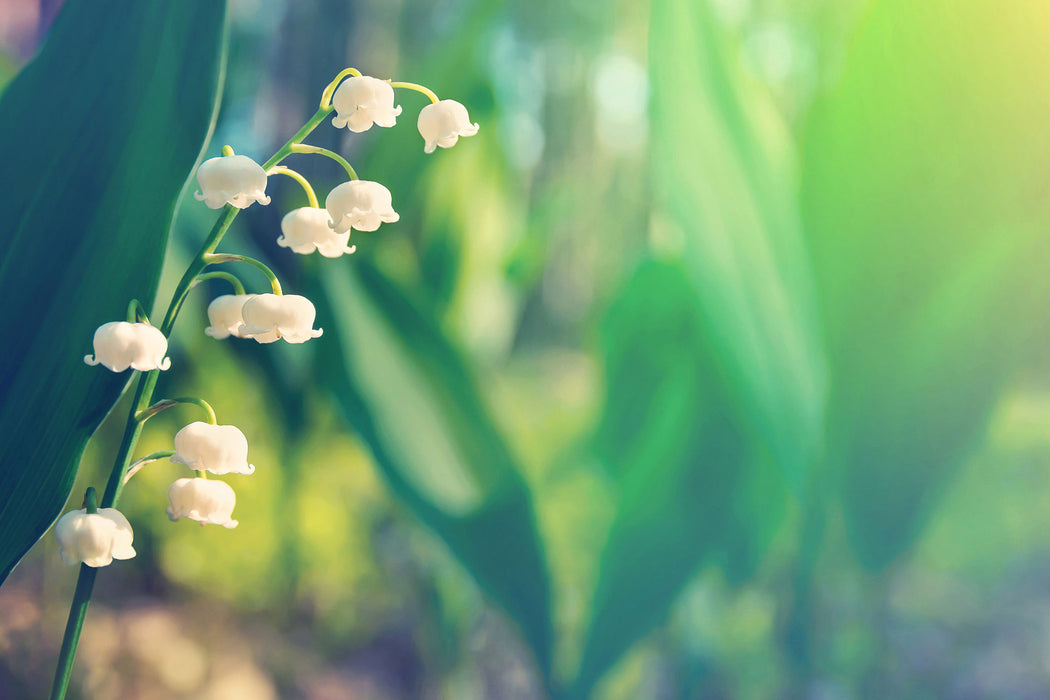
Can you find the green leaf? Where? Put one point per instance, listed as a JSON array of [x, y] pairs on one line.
[[410, 397], [721, 175], [99, 133], [681, 456], [714, 371], [924, 199]]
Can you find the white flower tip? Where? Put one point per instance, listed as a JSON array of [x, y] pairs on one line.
[[90, 359]]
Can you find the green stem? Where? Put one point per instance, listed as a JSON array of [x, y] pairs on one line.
[[143, 461], [301, 148], [144, 386], [143, 416], [311, 196], [326, 96], [418, 88], [235, 282], [275, 284], [77, 611], [136, 312]]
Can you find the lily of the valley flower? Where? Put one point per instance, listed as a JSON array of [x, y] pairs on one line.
[[119, 345], [236, 180], [269, 317], [95, 539], [362, 101], [360, 204], [442, 123], [207, 501], [219, 449], [224, 314], [308, 229]]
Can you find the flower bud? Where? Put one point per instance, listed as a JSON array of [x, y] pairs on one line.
[[95, 539], [219, 449], [236, 180], [359, 204], [119, 345], [207, 501], [442, 123], [308, 229], [268, 317], [362, 101], [224, 314]]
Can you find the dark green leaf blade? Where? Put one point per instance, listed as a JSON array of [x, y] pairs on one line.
[[924, 200], [99, 132], [408, 394]]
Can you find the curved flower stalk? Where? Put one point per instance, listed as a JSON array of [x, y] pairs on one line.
[[119, 345], [231, 179], [442, 123], [308, 229], [219, 449], [94, 539], [362, 101], [270, 317], [224, 315], [360, 204], [206, 501]]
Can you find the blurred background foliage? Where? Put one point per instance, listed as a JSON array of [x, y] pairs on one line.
[[709, 368]]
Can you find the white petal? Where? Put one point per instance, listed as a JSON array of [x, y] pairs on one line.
[[219, 449]]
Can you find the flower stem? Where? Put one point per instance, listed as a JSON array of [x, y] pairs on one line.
[[235, 282], [145, 415], [275, 284], [310, 194], [326, 96], [303, 148], [418, 88], [136, 313], [143, 461], [77, 611], [144, 386]]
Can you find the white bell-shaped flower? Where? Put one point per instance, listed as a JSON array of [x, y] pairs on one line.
[[308, 229], [224, 314], [236, 180], [360, 204], [219, 449], [207, 501], [119, 345], [95, 539], [269, 317], [362, 101], [442, 123]]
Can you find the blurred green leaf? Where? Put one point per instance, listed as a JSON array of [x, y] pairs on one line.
[[680, 462], [98, 133], [714, 371], [924, 198], [722, 175], [407, 392]]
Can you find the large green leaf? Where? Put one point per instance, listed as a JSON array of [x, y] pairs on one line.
[[680, 464], [408, 394], [98, 135], [715, 378], [722, 175], [924, 198]]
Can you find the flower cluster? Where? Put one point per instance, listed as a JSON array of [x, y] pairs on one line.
[[96, 536]]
